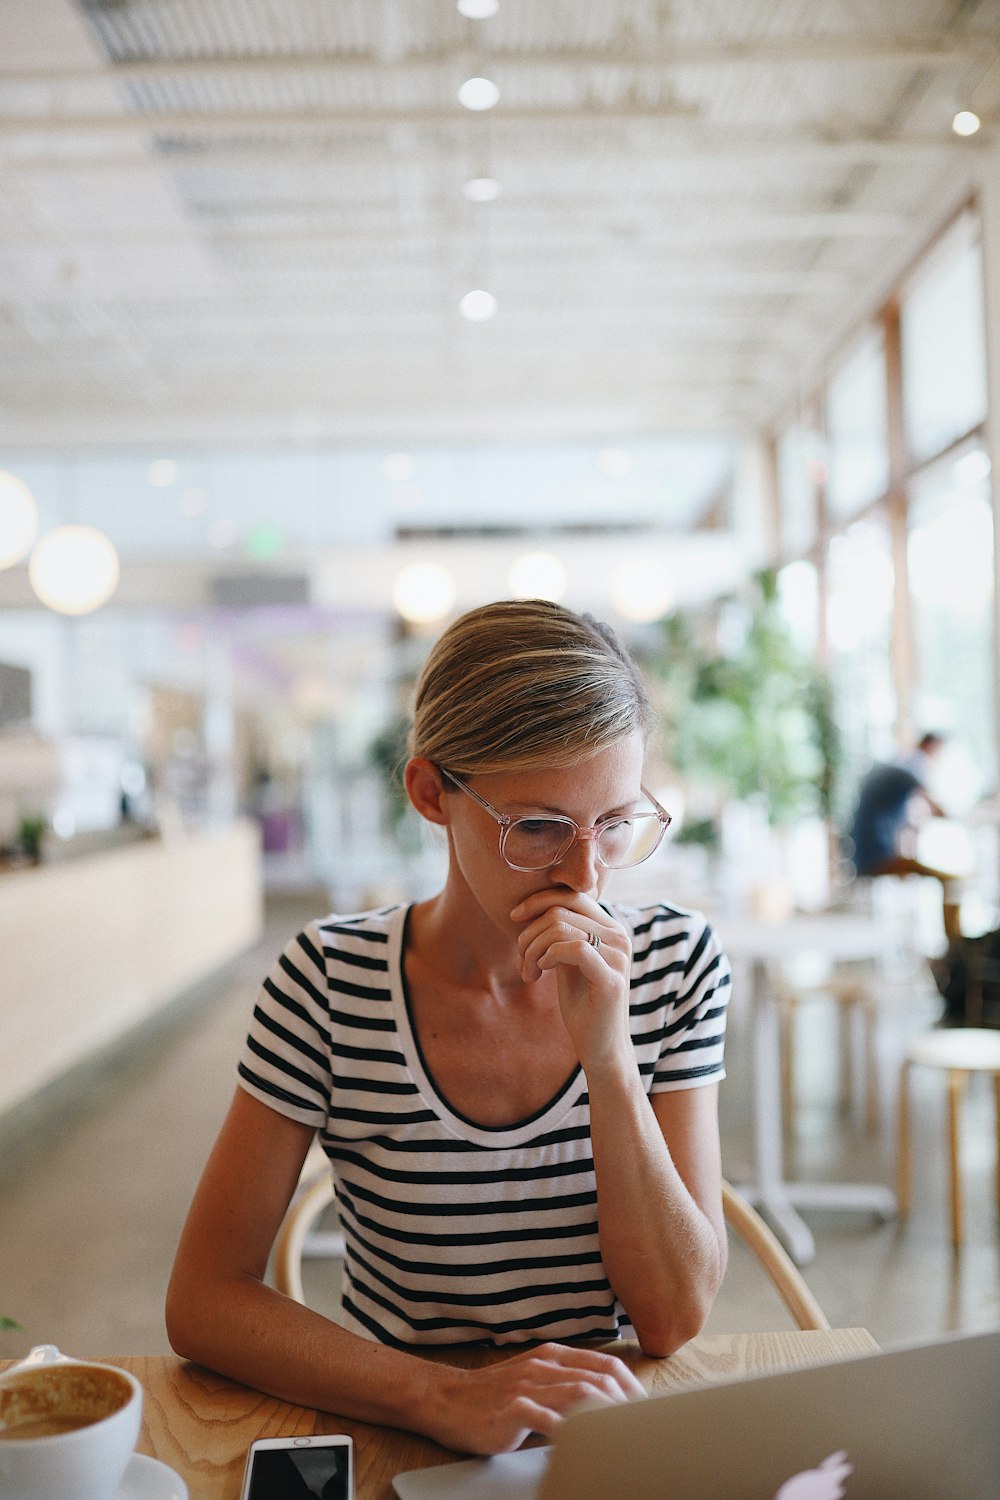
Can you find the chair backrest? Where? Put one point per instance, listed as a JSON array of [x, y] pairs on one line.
[[317, 1194], [747, 1224], [314, 1196]]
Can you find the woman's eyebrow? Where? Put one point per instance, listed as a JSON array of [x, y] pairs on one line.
[[525, 809]]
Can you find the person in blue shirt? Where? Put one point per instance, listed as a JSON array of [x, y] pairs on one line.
[[883, 829]]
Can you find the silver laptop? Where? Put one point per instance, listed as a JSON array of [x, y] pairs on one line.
[[915, 1423]]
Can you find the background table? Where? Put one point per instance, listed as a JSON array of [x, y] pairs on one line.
[[202, 1425], [835, 935]]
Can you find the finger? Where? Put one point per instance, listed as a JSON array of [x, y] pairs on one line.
[[554, 915], [532, 1392], [567, 924], [560, 897], [542, 1408], [598, 1361], [575, 952], [597, 961], [541, 937]]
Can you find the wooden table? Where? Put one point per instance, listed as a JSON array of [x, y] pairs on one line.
[[201, 1425]]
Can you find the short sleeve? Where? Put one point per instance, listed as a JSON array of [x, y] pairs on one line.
[[680, 987], [285, 1061]]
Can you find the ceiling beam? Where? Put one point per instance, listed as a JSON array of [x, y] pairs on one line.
[[691, 145], [411, 239], [944, 48]]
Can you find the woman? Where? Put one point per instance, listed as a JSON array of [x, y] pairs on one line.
[[515, 1083]]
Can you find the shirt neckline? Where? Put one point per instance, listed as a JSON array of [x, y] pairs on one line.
[[521, 1131]]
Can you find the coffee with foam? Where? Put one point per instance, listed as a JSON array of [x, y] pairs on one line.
[[67, 1427]]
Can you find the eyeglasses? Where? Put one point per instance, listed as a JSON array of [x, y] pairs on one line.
[[536, 843]]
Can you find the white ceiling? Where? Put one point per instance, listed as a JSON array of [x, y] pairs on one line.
[[244, 221]]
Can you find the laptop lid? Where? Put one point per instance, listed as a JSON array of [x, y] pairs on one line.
[[920, 1421]]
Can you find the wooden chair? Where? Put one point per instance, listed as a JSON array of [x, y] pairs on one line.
[[298, 1237], [317, 1195], [748, 1226], [958, 1052]]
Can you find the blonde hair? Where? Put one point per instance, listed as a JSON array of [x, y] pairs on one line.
[[523, 684]]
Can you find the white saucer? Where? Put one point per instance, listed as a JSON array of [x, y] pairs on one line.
[[148, 1479]]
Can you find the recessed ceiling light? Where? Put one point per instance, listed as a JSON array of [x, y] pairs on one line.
[[423, 593], [74, 569], [478, 93], [478, 10], [966, 122], [478, 306], [482, 189], [642, 590], [537, 575]]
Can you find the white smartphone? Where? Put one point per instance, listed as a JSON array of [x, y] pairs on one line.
[[300, 1468]]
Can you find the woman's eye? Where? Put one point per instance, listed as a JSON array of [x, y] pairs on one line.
[[537, 827]]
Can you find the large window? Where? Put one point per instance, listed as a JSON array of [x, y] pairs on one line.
[[801, 469], [950, 563], [798, 597], [935, 509], [859, 626], [943, 343], [856, 431]]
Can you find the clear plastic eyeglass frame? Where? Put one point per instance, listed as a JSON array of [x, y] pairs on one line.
[[574, 831]]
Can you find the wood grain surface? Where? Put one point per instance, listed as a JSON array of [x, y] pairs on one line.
[[201, 1424]]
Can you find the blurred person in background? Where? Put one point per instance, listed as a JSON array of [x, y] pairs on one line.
[[893, 801]]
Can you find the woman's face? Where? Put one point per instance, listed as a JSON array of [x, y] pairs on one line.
[[605, 784]]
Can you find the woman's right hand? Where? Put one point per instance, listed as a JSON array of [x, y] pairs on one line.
[[493, 1410]]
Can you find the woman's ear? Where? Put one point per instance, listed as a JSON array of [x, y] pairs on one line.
[[425, 789]]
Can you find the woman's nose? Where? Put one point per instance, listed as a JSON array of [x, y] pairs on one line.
[[579, 867]]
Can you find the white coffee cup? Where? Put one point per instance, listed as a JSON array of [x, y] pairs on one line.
[[68, 1427]]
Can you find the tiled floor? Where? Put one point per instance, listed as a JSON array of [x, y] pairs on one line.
[[91, 1209]]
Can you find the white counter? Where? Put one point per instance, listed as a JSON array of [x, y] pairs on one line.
[[94, 946]]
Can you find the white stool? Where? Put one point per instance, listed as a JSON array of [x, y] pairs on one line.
[[958, 1051]]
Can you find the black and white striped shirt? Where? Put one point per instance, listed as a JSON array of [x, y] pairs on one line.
[[455, 1231]]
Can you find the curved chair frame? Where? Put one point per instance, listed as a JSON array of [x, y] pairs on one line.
[[317, 1194], [788, 1281]]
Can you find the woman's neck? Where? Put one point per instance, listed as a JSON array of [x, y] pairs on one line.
[[458, 941]]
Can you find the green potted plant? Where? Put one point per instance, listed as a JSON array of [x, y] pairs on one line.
[[747, 717]]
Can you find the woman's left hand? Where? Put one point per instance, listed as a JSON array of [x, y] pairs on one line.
[[591, 954]]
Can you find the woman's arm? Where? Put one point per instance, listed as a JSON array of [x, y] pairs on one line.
[[221, 1313], [657, 1162], [659, 1203]]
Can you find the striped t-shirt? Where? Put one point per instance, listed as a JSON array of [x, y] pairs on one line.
[[455, 1231]]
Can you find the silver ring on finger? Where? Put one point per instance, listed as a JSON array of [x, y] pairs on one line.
[[594, 940]]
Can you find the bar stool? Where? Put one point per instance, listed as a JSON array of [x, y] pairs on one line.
[[854, 994], [957, 1051]]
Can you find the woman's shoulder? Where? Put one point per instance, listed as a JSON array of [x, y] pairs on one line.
[[374, 926], [661, 917], [359, 938], [664, 933]]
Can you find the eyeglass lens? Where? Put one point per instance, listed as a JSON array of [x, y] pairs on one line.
[[535, 843]]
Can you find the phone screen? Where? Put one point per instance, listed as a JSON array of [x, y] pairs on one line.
[[320, 1473]]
